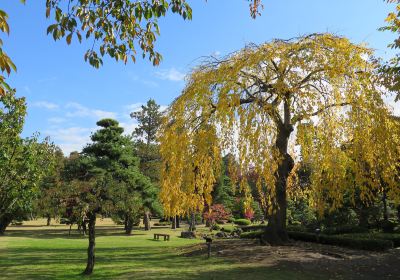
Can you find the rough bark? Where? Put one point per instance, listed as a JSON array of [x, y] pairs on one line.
[[48, 222], [173, 226], [276, 230], [92, 244], [5, 221], [146, 220], [129, 225], [385, 208], [398, 213], [192, 222]]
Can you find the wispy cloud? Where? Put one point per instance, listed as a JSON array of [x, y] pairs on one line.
[[78, 110], [56, 120], [45, 105], [70, 139], [171, 74]]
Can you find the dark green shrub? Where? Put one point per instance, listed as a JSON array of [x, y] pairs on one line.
[[254, 228], [354, 242], [165, 223], [242, 222], [216, 227], [251, 234], [388, 226], [344, 229], [296, 227], [302, 236]]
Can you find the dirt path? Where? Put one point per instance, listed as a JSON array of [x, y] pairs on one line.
[[330, 261]]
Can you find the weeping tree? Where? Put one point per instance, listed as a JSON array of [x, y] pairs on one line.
[[256, 102]]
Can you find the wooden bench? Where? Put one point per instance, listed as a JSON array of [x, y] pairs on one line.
[[157, 236]]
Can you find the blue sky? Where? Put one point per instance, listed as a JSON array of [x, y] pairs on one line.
[[66, 96]]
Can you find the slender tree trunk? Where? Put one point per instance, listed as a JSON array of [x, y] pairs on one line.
[[173, 222], [177, 219], [5, 221], [146, 220], [276, 230], [385, 208], [398, 213], [92, 244], [363, 216], [48, 220], [192, 222]]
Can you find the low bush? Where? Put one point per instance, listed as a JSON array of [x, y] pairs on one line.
[[242, 222], [216, 227], [251, 234], [388, 226], [394, 237], [227, 228], [354, 242], [162, 224], [254, 228], [302, 236], [296, 227], [344, 229]]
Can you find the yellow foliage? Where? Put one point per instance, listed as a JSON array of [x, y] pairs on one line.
[[319, 93]]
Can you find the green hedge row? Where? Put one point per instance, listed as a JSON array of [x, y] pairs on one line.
[[373, 244], [362, 243], [242, 222], [251, 234], [254, 228]]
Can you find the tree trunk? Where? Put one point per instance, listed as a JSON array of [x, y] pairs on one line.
[[92, 244], [385, 208], [146, 220], [48, 220], [129, 225], [276, 230], [173, 222], [398, 213], [5, 221], [177, 219], [192, 222]]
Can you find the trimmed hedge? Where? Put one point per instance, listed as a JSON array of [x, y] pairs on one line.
[[373, 244], [344, 229], [251, 234], [394, 237], [254, 228], [242, 222], [228, 229], [162, 224]]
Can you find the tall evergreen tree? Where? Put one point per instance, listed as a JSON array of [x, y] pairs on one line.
[[147, 149], [110, 179]]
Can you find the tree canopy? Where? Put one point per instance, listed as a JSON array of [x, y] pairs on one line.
[[256, 102]]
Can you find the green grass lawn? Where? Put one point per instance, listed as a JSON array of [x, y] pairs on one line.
[[40, 252]]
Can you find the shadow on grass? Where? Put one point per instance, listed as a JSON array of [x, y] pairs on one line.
[[131, 263], [64, 233]]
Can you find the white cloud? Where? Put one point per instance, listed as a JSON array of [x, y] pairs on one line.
[[45, 104], [56, 120], [71, 138], [171, 74], [78, 110]]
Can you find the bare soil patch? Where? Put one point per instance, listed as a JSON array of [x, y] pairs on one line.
[[330, 261]]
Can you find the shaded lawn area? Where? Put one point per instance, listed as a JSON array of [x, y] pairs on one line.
[[49, 253]]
